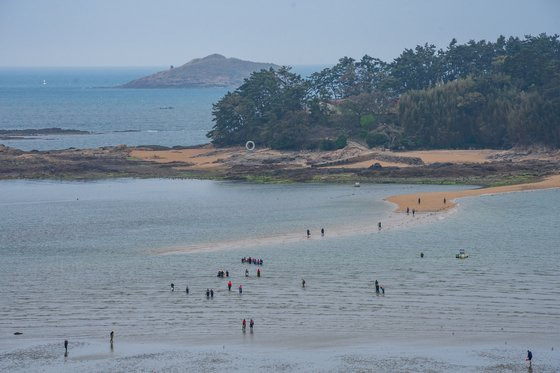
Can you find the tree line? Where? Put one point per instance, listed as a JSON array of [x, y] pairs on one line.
[[478, 94]]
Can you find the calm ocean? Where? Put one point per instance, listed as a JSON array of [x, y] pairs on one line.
[[79, 259], [85, 99]]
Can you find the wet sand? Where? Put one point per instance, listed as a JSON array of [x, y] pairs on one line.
[[249, 355], [389, 221], [434, 201]]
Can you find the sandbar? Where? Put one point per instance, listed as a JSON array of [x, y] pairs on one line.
[[434, 201]]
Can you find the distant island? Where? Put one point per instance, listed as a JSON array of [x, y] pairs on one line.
[[214, 70]]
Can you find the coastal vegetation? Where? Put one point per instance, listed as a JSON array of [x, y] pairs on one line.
[[480, 94]]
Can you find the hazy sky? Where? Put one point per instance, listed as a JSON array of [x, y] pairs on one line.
[[165, 32]]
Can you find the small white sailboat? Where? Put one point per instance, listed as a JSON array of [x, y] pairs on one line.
[[44, 82]]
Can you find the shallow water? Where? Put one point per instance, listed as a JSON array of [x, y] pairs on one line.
[[81, 259]]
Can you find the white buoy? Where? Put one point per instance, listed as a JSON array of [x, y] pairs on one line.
[[250, 145]]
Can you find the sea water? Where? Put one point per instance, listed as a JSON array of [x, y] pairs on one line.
[[81, 259], [87, 99]]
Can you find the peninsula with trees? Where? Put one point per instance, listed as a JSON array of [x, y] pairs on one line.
[[481, 113], [481, 94]]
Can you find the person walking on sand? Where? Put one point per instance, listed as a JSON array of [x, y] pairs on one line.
[[243, 325], [529, 357], [376, 287], [172, 287], [229, 284], [251, 324], [187, 289], [66, 346], [444, 200], [308, 233], [382, 289], [211, 293], [418, 200], [322, 232], [246, 273], [240, 289], [111, 336], [413, 212], [407, 210], [207, 293], [302, 283], [259, 272], [379, 226]]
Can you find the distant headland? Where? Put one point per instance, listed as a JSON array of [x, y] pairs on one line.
[[214, 70]]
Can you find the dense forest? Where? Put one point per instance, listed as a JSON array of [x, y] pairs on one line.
[[479, 94]]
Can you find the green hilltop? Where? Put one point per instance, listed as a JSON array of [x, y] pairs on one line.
[[479, 94]]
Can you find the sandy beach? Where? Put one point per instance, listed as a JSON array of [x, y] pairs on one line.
[[354, 156], [434, 201]]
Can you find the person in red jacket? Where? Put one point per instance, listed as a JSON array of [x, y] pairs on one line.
[[229, 284], [243, 325]]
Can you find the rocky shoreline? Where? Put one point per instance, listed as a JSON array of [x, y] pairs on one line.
[[33, 132], [352, 164]]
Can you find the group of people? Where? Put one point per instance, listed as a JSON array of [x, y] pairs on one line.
[[111, 337], [222, 273], [173, 288], [379, 288], [322, 232], [419, 201], [258, 272], [230, 284], [252, 261], [244, 325]]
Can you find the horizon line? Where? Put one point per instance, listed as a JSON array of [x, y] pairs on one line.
[[131, 66]]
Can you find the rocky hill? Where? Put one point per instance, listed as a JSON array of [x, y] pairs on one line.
[[214, 70]]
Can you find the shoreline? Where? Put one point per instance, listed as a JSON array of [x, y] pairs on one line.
[[238, 353], [434, 201], [354, 163], [351, 351]]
